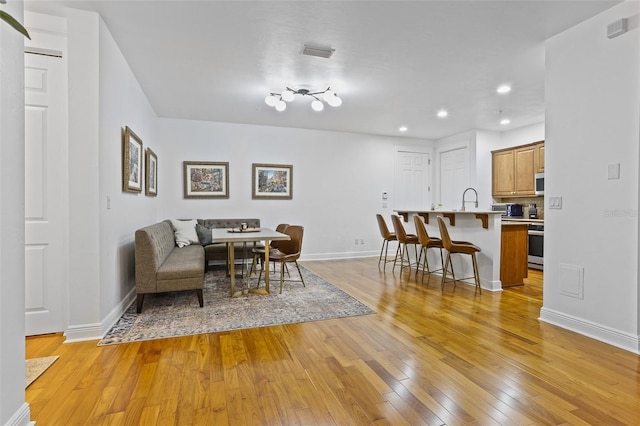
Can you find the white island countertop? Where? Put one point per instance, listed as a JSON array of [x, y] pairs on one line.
[[483, 215]]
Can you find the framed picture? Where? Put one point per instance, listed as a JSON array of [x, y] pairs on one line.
[[151, 175], [272, 181], [206, 180], [131, 161]]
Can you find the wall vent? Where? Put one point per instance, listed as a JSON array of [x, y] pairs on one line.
[[617, 28]]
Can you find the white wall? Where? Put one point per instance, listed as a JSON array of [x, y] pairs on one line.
[[338, 180], [592, 121], [103, 98], [13, 408], [122, 103]]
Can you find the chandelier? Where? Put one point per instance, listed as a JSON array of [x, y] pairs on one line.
[[279, 100]]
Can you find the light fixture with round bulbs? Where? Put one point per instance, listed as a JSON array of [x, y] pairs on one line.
[[279, 100]]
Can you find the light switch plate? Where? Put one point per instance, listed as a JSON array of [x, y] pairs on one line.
[[613, 171], [555, 203]]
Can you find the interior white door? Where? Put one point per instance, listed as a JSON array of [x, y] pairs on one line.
[[454, 177], [46, 199], [411, 187]]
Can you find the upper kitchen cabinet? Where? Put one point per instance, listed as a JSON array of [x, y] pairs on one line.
[[540, 157], [513, 170]]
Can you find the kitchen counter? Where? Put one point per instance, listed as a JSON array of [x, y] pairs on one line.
[[521, 219], [481, 227], [483, 215]]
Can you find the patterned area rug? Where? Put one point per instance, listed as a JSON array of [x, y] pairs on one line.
[[37, 366], [178, 313]]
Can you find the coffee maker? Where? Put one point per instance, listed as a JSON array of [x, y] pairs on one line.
[[533, 211]]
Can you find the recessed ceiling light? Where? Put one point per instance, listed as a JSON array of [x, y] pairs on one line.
[[505, 88], [442, 113], [505, 121], [402, 129]]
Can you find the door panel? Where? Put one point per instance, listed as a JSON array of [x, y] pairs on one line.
[[46, 204], [412, 181]]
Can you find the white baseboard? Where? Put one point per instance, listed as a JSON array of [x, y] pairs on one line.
[[341, 255], [608, 335], [79, 333], [22, 417]]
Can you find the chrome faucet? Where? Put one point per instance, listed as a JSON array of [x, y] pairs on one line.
[[463, 201]]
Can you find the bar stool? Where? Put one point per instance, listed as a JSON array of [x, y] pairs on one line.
[[404, 239], [426, 242], [462, 247], [386, 237]]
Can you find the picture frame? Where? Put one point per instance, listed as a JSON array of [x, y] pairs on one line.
[[203, 179], [151, 173], [131, 161], [272, 182]]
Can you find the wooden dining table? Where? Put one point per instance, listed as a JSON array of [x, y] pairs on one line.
[[251, 235]]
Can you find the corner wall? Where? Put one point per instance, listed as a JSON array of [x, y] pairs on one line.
[[593, 121], [13, 408]]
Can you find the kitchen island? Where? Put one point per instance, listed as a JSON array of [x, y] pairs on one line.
[[481, 227]]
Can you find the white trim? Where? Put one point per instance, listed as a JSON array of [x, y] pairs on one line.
[[342, 255], [617, 338], [21, 417], [117, 312], [79, 333]]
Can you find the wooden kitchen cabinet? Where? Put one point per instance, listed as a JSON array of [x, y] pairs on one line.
[[514, 252], [513, 171], [540, 157]]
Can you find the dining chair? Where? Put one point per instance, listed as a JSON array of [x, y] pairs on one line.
[[404, 240], [426, 242], [258, 252], [458, 247], [287, 252], [386, 237]]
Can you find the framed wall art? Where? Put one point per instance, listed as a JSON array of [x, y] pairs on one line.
[[206, 180], [131, 161], [151, 173], [272, 181]]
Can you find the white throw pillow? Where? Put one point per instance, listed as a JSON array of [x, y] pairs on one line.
[[185, 232]]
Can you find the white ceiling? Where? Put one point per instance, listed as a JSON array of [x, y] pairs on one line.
[[395, 62]]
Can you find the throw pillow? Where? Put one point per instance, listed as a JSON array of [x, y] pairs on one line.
[[204, 234], [185, 232]]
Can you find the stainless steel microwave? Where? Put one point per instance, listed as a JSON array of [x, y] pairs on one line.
[[539, 183]]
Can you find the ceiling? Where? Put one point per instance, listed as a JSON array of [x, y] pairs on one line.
[[396, 63]]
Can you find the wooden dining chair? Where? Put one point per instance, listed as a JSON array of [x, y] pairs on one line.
[[458, 247], [426, 242]]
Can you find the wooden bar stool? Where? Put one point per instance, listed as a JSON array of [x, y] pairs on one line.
[[426, 242], [404, 239], [461, 247], [386, 237]]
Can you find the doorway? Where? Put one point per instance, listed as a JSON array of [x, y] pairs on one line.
[[46, 194]]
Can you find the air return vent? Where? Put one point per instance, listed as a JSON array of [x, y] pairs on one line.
[[321, 52], [617, 28]]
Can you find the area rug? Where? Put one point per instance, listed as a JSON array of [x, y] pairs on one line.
[[37, 366], [178, 313]]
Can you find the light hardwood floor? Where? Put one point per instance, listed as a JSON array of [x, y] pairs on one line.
[[426, 357]]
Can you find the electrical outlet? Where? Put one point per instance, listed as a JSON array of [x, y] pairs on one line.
[[355, 241], [361, 241]]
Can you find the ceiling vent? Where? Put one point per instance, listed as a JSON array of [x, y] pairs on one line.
[[320, 52]]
